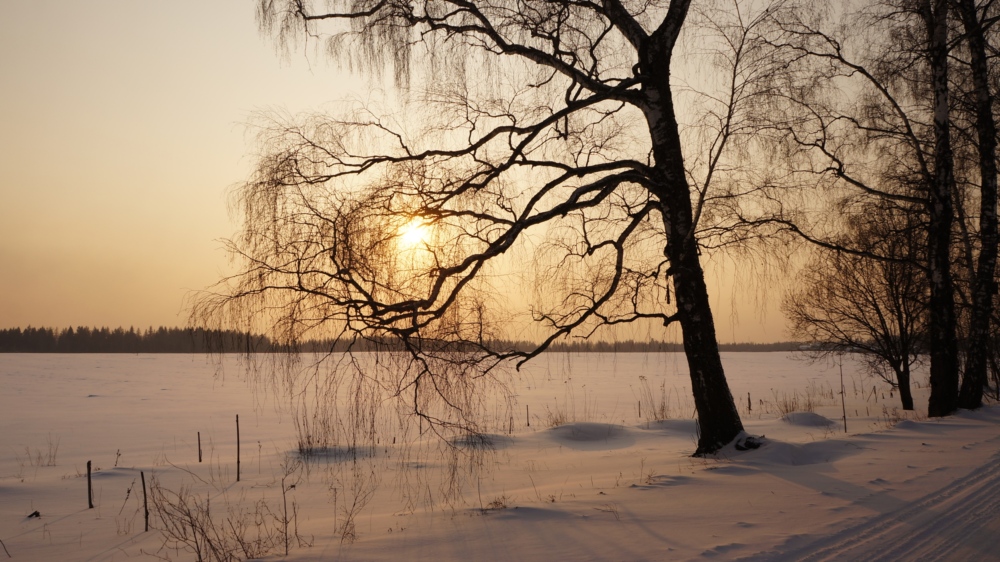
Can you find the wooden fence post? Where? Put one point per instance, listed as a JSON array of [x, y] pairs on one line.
[[237, 447], [90, 489], [145, 502]]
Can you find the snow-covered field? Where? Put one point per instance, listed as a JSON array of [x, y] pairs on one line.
[[609, 482]]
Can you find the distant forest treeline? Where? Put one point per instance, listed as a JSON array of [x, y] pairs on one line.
[[199, 340], [120, 340]]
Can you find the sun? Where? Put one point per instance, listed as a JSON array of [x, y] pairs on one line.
[[413, 233]]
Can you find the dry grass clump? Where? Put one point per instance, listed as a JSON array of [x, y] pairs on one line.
[[498, 503], [237, 530], [555, 416], [654, 407]]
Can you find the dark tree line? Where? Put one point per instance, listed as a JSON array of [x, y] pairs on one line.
[[647, 346], [119, 340], [199, 340]]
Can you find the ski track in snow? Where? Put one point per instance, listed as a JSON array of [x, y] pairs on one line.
[[959, 521]]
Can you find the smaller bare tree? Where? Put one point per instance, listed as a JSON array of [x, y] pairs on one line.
[[871, 302]]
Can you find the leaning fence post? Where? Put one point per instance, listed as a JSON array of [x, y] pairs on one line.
[[237, 447], [843, 391], [199, 446], [90, 489], [145, 502]]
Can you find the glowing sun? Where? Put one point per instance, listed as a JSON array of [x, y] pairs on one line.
[[413, 233]]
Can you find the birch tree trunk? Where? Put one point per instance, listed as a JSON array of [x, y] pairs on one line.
[[943, 344], [983, 285], [718, 420]]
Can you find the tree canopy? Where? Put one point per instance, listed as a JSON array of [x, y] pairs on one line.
[[528, 145]]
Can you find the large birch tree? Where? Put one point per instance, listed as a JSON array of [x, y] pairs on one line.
[[547, 124]]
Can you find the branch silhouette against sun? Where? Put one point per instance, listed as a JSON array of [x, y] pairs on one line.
[[543, 140]]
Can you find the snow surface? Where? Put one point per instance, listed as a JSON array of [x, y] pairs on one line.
[[607, 483]]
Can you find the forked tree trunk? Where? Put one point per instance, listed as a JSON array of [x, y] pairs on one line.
[[984, 284], [943, 346], [718, 420]]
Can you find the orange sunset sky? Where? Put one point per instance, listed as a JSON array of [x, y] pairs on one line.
[[122, 133]]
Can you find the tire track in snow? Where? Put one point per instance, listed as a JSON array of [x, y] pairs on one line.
[[930, 528]]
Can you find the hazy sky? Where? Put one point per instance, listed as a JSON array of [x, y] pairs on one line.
[[121, 132]]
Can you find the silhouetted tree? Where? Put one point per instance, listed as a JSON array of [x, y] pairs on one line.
[[540, 125], [893, 106], [978, 23], [875, 306]]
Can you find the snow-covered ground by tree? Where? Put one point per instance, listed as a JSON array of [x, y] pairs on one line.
[[591, 478]]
